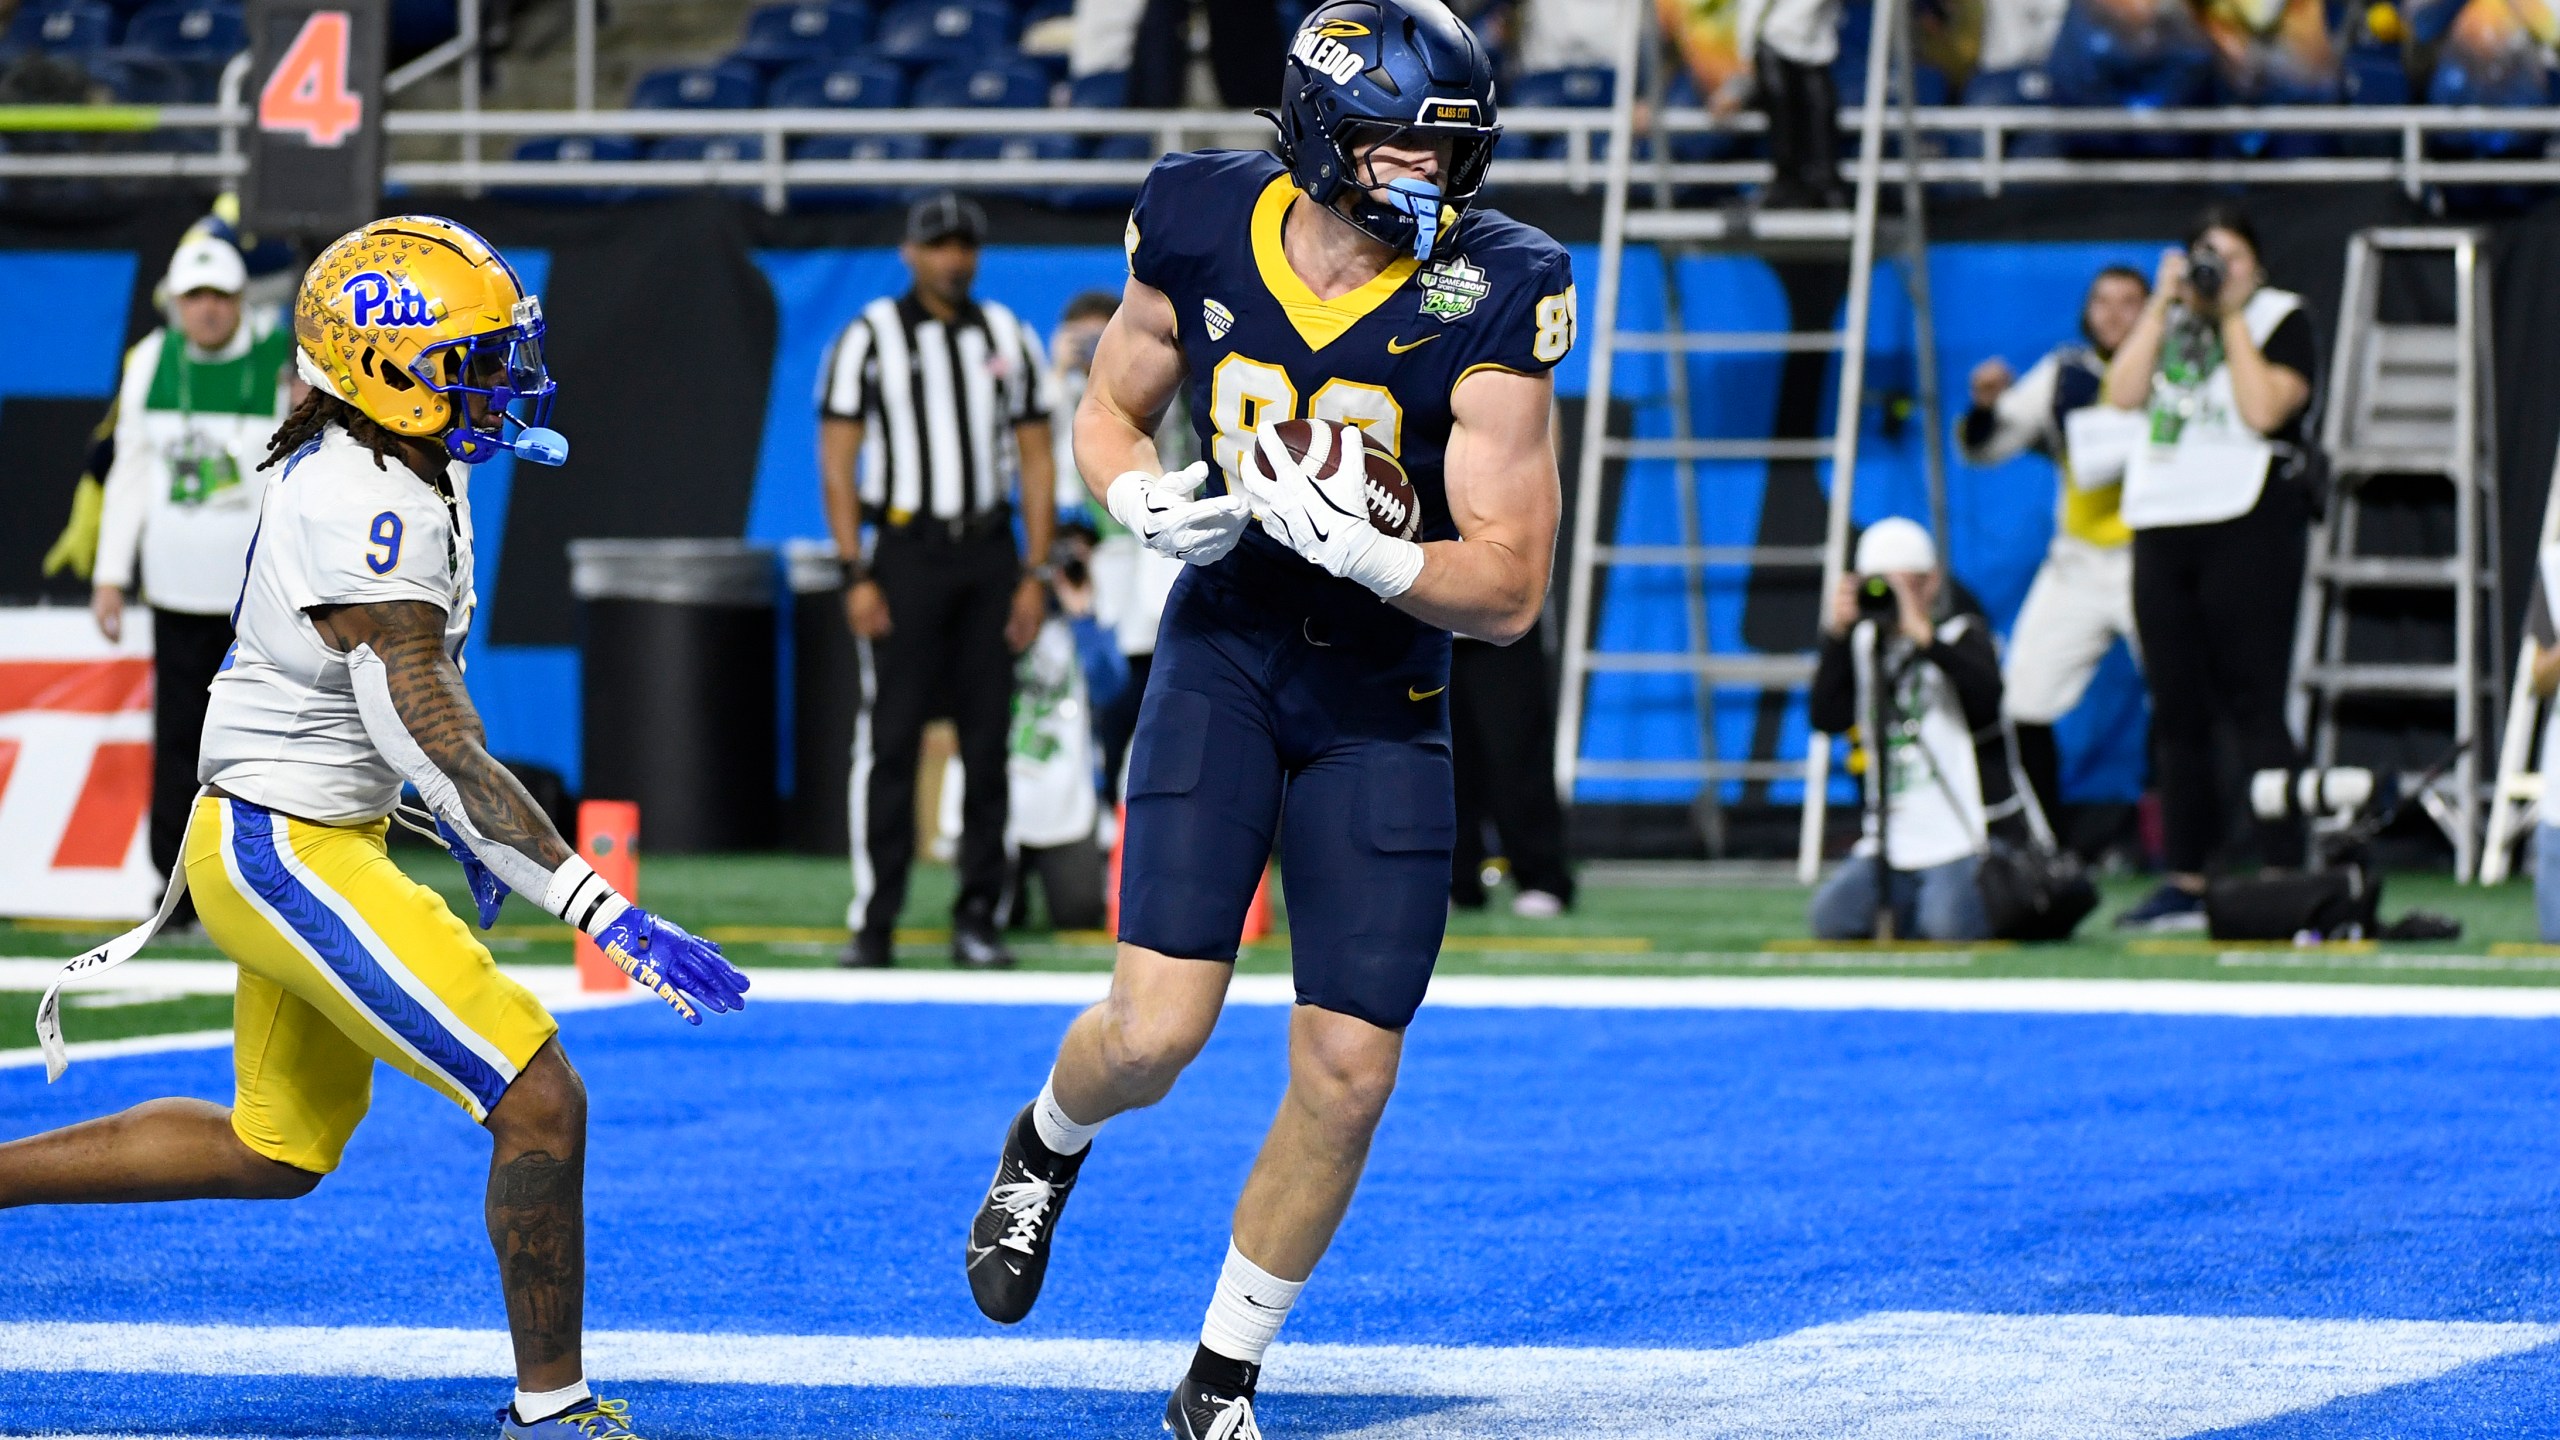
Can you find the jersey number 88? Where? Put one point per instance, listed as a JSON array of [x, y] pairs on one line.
[[1246, 394]]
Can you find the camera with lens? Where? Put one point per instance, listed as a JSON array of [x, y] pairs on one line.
[[2207, 273], [1876, 600]]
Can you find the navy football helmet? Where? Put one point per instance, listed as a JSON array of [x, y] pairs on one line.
[[1362, 73]]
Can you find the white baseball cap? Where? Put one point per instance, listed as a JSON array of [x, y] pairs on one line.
[[1895, 546], [206, 262]]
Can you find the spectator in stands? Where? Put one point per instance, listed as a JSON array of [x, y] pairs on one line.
[[1557, 34], [1244, 53], [2019, 34], [199, 400], [1788, 47], [2273, 52], [2219, 494], [1940, 683], [954, 393], [2082, 598]]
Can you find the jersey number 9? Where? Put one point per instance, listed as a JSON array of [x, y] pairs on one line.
[[385, 555]]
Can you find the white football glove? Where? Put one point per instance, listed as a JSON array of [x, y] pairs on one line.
[[1160, 511], [1327, 521]]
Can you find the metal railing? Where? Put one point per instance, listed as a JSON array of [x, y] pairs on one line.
[[1993, 131]]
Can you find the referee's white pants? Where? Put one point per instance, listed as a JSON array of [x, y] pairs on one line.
[[2082, 599]]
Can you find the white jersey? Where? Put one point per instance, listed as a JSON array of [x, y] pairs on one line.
[[282, 729]]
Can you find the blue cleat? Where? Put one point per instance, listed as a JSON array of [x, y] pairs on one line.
[[590, 1419]]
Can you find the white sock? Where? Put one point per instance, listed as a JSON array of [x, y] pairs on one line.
[[1248, 1308], [1058, 1130], [535, 1406]]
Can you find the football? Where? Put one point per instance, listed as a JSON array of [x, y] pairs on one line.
[[1393, 506]]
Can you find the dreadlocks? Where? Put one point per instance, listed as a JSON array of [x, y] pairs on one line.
[[316, 413]]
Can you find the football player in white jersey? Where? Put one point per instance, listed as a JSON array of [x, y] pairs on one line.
[[419, 341]]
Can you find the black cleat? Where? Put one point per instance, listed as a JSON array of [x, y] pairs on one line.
[[1210, 1412], [976, 944], [870, 950], [1009, 1239]]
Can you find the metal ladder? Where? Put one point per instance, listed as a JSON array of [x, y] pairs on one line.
[[2516, 795], [1591, 555], [2408, 400]]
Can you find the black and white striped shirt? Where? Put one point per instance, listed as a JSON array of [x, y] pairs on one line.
[[938, 404]]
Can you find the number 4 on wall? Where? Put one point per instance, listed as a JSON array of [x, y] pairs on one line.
[[307, 95]]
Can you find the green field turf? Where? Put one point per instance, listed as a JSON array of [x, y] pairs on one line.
[[789, 910]]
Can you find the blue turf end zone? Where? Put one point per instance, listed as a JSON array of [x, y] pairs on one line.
[[1579, 1178]]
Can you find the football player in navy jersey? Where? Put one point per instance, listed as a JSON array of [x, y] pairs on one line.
[[1301, 670]]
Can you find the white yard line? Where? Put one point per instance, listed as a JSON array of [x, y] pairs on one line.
[[557, 986], [1907, 1376]]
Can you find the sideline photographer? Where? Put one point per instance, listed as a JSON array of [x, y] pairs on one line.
[[1925, 687], [2220, 493]]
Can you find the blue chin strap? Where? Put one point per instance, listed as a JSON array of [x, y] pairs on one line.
[[1418, 201], [537, 443]]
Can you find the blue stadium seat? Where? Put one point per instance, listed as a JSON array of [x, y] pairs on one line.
[[1101, 90], [859, 83], [707, 147], [928, 32], [2000, 89], [573, 149], [143, 80], [1005, 84], [1588, 87], [1046, 36], [1021, 147], [2276, 89], [2094, 66], [64, 27], [188, 30], [2375, 75], [729, 85], [780, 36], [854, 147], [2517, 79]]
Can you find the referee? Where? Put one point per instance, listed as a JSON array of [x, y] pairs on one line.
[[947, 398]]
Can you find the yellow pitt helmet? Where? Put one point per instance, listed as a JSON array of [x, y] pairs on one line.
[[406, 317]]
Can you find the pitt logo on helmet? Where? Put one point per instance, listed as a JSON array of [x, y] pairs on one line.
[[1327, 56], [381, 299]]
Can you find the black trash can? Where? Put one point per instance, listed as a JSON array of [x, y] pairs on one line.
[[825, 696], [679, 674]]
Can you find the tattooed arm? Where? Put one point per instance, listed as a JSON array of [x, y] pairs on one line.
[[406, 639], [416, 714]]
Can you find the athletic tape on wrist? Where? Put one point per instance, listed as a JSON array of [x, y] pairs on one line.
[[582, 897]]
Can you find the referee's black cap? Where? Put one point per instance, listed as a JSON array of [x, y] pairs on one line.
[[947, 216]]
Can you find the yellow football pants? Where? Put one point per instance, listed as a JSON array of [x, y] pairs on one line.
[[345, 960]]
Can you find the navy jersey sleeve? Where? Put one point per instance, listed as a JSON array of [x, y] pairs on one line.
[[1533, 322], [1188, 208]]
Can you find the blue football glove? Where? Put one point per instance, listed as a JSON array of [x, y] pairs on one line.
[[487, 890], [673, 964]]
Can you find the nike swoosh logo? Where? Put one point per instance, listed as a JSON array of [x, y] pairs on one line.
[[1398, 347], [1412, 694]]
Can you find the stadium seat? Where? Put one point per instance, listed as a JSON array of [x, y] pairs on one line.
[[855, 84], [1101, 90], [62, 27], [2513, 78], [2167, 65], [574, 149], [729, 85], [854, 147], [781, 36], [1020, 148], [1587, 87], [2375, 75], [1998, 89], [143, 80], [1005, 84], [1047, 35], [188, 30], [2279, 89], [728, 149], [931, 32]]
